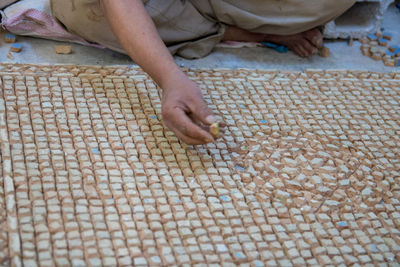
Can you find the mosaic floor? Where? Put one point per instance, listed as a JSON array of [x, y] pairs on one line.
[[307, 173]]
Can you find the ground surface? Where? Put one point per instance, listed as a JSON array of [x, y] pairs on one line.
[[342, 56], [307, 172]]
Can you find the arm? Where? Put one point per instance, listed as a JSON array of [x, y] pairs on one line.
[[182, 98]]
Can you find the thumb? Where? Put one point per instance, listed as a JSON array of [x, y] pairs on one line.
[[203, 113]]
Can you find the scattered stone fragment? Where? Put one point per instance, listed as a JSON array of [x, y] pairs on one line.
[[324, 51], [63, 49], [351, 41], [382, 41], [387, 35], [10, 38], [16, 47], [10, 56]]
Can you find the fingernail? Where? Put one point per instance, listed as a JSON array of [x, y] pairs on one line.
[[210, 119]]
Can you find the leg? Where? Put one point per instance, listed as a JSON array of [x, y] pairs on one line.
[[303, 44], [180, 25], [289, 22]]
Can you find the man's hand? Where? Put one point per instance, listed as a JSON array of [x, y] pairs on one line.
[[183, 107], [184, 111]]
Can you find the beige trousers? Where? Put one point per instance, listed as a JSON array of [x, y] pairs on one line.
[[192, 28]]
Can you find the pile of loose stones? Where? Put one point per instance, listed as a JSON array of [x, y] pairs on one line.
[[378, 47]]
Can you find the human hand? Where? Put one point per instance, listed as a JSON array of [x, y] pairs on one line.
[[185, 112]]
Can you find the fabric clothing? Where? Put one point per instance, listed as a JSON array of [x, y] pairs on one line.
[[4, 3], [282, 17], [34, 18], [193, 28]]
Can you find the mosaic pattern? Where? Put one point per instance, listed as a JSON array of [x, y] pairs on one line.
[[307, 172]]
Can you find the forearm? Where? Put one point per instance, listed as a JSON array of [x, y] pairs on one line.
[[138, 35]]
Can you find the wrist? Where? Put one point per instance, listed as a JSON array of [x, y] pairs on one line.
[[172, 78]]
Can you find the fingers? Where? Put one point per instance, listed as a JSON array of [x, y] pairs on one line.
[[309, 44], [304, 48], [222, 127], [310, 49], [314, 37], [203, 113], [185, 129], [198, 122], [203, 117], [299, 50], [185, 113], [186, 139]]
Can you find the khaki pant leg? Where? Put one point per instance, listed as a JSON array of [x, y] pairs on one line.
[[282, 17], [182, 28], [86, 19]]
